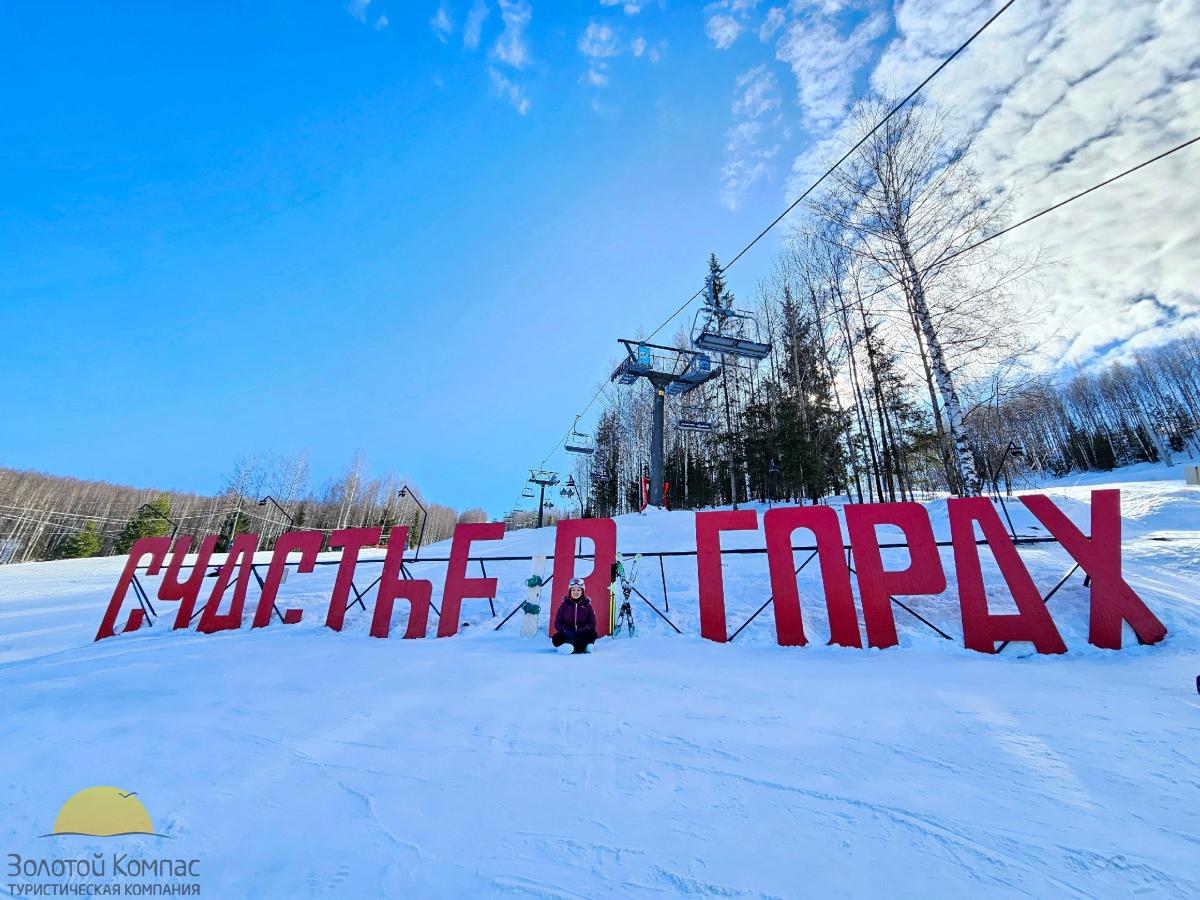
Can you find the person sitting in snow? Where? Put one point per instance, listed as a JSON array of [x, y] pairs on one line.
[[575, 623]]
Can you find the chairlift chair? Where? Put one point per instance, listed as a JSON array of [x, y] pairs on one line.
[[634, 367], [723, 329], [527, 493], [578, 442], [694, 418], [698, 371]]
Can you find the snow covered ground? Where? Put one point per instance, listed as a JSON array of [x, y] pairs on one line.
[[297, 762]]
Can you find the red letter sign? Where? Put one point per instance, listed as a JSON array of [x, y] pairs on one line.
[[603, 535], [242, 550], [186, 592], [1113, 601], [924, 574], [779, 523], [351, 540], [709, 526], [981, 629], [393, 587], [458, 585], [156, 548], [309, 545]]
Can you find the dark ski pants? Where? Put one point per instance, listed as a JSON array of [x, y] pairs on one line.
[[579, 640]]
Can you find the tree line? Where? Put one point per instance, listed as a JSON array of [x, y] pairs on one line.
[[53, 517]]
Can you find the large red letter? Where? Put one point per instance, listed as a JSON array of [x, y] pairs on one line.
[[186, 592], [351, 540], [603, 535], [309, 545], [458, 585], [876, 586], [779, 523], [709, 526], [981, 629], [154, 547], [1113, 600], [393, 587], [242, 551]]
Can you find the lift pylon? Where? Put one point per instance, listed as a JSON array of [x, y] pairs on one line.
[[669, 370]]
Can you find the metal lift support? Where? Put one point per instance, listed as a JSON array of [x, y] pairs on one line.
[[545, 479], [669, 370]]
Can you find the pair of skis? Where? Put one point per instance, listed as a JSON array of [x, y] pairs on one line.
[[622, 618], [619, 619]]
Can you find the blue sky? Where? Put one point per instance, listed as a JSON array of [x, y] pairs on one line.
[[268, 227]]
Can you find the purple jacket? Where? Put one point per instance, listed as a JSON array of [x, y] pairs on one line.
[[574, 617]]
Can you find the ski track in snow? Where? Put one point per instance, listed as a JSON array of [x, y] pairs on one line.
[[298, 762]]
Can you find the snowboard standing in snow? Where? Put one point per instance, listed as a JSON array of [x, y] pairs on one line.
[[533, 594]]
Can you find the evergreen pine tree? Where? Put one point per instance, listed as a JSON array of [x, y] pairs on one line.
[[149, 522], [80, 544]]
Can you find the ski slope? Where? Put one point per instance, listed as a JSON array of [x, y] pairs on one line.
[[299, 762]]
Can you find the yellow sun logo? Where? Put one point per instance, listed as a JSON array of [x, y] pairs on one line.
[[103, 812]]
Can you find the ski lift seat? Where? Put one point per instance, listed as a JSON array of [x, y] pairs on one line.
[[579, 443], [715, 342], [694, 418], [721, 329], [699, 369]]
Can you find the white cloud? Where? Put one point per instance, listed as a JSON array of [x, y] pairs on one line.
[[595, 77], [512, 47], [360, 9], [442, 24], [638, 46], [826, 63], [1056, 98], [757, 93], [631, 7], [746, 161], [746, 157], [504, 87], [473, 28], [773, 22], [598, 42], [723, 30]]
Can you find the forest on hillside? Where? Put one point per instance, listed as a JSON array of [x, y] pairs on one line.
[[52, 517]]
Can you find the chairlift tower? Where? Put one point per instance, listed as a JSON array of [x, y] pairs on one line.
[[544, 479], [670, 370]]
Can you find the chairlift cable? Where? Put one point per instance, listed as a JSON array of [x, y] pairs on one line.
[[895, 109], [812, 187], [942, 260]]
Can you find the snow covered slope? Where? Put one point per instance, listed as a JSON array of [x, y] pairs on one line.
[[297, 762]]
